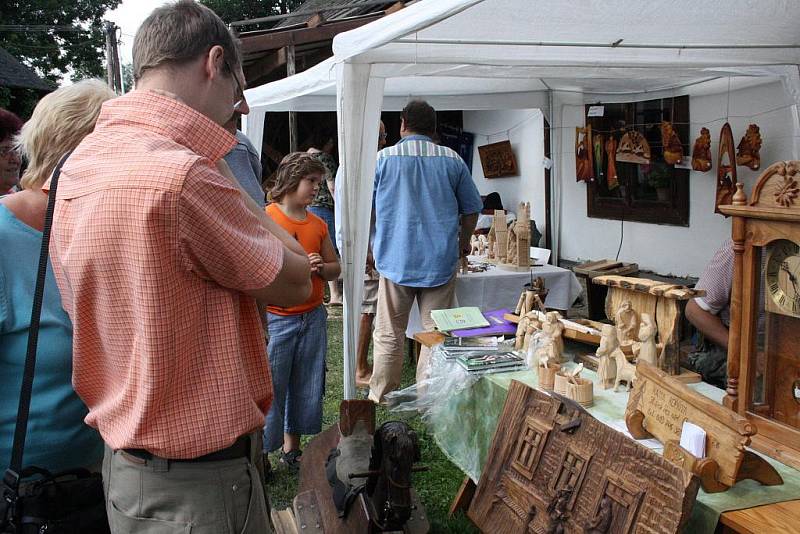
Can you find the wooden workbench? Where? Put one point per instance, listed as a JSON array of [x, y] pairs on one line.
[[783, 517]]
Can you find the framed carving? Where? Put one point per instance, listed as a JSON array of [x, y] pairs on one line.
[[498, 160], [584, 161]]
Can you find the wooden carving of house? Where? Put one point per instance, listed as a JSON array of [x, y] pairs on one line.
[[561, 470]]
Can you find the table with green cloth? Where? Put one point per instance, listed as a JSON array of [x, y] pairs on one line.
[[465, 424]]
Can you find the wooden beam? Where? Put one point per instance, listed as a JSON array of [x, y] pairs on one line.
[[272, 41], [265, 65], [290, 70]]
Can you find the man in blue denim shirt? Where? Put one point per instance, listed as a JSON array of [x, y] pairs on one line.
[[246, 167], [426, 208]]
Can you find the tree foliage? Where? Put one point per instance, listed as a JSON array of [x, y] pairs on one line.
[[233, 10], [54, 52]]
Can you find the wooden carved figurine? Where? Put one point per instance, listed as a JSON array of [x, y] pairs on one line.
[[598, 143], [633, 148], [648, 352], [749, 147], [558, 511], [607, 367], [482, 242], [701, 153], [671, 145], [519, 237], [501, 235], [584, 171], [551, 343], [726, 169], [474, 244], [626, 371], [601, 524], [611, 172], [511, 245], [491, 239], [627, 324]]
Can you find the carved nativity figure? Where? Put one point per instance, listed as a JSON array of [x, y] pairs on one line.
[[626, 371], [551, 344], [748, 150], [627, 323], [474, 244], [648, 352], [671, 145], [606, 366], [701, 153]]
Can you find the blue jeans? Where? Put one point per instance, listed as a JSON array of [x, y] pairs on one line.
[[297, 348], [326, 214]]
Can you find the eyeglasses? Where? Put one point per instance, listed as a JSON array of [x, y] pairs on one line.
[[240, 94]]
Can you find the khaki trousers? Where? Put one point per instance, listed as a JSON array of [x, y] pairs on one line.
[[391, 319], [159, 496]]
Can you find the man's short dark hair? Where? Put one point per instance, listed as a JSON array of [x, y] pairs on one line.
[[178, 33], [419, 117]]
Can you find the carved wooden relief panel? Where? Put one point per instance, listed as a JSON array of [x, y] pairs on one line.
[[552, 467]]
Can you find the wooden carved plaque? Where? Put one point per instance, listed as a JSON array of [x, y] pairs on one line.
[[584, 161], [726, 169], [658, 406], [498, 160], [552, 467]]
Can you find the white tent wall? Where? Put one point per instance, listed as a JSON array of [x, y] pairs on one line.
[[675, 249], [523, 128]]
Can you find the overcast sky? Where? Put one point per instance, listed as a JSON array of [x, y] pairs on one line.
[[129, 16]]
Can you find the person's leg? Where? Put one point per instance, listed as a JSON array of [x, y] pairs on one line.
[[391, 319], [282, 347], [307, 383], [158, 495], [432, 298], [363, 370]]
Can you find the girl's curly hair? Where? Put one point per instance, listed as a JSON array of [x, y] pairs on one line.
[[293, 168]]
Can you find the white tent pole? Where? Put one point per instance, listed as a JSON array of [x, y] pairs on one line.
[[358, 107]]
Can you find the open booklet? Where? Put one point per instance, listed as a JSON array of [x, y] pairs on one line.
[[458, 318]]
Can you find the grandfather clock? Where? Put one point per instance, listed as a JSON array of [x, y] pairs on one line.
[[764, 344]]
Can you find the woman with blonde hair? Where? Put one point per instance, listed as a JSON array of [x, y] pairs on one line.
[[57, 437]]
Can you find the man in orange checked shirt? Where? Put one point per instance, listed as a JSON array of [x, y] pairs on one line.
[[160, 259]]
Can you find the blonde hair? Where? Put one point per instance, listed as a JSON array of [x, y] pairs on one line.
[[59, 123]]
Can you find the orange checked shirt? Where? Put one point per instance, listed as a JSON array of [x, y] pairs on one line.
[[151, 249]]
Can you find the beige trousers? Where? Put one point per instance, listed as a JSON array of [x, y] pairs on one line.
[[162, 497], [391, 319]]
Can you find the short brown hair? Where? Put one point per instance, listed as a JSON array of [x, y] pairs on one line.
[[178, 33], [293, 168], [419, 117]]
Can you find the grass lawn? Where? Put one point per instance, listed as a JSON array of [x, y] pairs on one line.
[[436, 487]]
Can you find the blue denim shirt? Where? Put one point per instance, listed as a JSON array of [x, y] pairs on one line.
[[421, 190], [246, 167]]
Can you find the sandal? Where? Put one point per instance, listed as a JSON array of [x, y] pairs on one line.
[[291, 459]]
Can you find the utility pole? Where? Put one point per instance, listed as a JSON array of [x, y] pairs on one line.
[[112, 58]]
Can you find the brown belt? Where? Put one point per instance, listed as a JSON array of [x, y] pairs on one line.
[[240, 449]]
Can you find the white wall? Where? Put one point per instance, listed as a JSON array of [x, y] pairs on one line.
[[523, 127], [672, 249]]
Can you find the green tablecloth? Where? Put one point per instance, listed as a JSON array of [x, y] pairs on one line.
[[465, 426]]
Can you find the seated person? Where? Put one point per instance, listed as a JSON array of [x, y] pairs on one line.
[[711, 316], [491, 202]]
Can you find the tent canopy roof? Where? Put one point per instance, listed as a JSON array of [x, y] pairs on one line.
[[498, 47]]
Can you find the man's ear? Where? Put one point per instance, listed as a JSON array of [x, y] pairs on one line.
[[215, 62]]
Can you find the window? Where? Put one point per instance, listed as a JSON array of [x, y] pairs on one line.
[[529, 447], [655, 193]]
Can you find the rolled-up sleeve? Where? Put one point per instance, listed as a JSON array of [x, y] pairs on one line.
[[220, 238], [716, 280]]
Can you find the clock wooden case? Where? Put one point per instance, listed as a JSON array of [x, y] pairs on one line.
[[764, 343]]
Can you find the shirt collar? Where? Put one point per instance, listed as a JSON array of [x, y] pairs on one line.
[[415, 137], [171, 118]]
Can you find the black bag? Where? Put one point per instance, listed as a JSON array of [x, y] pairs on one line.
[[35, 500]]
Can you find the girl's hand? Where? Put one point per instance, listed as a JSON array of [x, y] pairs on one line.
[[316, 262]]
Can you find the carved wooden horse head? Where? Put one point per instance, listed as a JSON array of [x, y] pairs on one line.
[[394, 451]]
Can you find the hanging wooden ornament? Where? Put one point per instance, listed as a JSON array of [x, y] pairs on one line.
[[584, 171], [726, 169], [701, 153], [671, 145], [633, 148], [597, 144], [611, 172], [749, 147]]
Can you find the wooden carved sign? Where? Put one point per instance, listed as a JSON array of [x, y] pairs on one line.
[[584, 163], [498, 160], [726, 169], [553, 468], [658, 407]]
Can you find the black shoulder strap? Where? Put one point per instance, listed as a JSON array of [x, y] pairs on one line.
[[11, 478]]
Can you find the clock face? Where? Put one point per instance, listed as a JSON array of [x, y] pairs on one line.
[[783, 277]]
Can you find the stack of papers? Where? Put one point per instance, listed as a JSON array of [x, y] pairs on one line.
[[498, 362], [456, 318]]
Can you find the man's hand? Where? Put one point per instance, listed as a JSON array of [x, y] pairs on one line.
[[316, 262]]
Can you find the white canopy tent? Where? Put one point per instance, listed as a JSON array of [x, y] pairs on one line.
[[513, 54]]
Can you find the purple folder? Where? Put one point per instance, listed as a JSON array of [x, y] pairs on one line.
[[498, 326]]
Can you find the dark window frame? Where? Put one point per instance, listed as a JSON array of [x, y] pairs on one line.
[[636, 198]]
